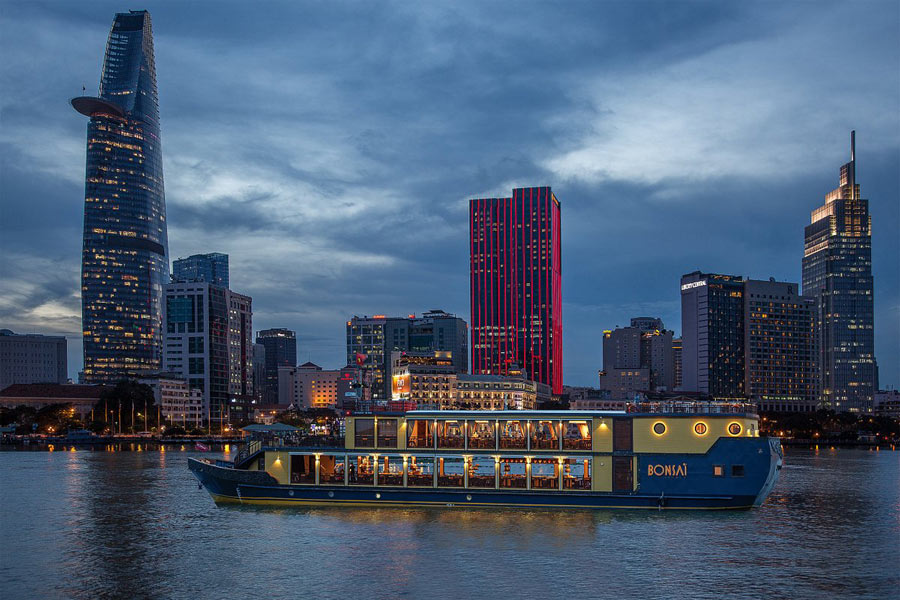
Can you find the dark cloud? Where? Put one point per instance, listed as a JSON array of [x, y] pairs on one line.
[[330, 150]]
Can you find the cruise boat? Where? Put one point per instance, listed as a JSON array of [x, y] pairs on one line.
[[660, 457]]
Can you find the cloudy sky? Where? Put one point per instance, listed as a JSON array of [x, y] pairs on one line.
[[330, 149]]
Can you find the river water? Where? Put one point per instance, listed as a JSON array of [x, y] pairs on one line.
[[99, 524]]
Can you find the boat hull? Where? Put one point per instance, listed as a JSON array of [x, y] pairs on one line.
[[230, 486]]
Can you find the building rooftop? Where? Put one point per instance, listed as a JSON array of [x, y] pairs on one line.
[[52, 390]]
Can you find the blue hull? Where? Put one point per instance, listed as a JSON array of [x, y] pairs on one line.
[[700, 491]]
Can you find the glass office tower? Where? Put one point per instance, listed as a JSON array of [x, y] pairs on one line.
[[212, 267], [837, 271], [515, 284], [124, 256]]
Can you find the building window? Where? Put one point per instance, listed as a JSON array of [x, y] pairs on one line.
[[576, 435], [450, 434], [303, 468], [450, 471], [512, 435], [545, 473], [364, 433], [331, 469], [387, 433], [513, 473], [360, 470], [420, 471], [481, 435], [577, 473], [481, 472], [390, 469]]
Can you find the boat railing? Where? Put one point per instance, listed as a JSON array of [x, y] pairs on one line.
[[704, 407]]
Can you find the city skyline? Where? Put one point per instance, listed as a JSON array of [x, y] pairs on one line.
[[338, 183]]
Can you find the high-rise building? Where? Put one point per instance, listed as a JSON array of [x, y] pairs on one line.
[[837, 272], [746, 339], [712, 334], [125, 251], [638, 358], [373, 339], [209, 343], [259, 373], [515, 285], [676, 362], [32, 358], [779, 347], [212, 267], [281, 351]]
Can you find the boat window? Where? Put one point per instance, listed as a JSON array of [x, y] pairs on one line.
[[419, 434], [360, 470], [331, 469], [481, 435], [577, 473], [718, 471], [450, 471], [512, 434], [387, 433], [450, 434], [481, 472], [576, 435], [390, 469], [544, 435], [303, 468], [420, 471], [512, 472], [365, 433], [737, 470], [545, 473]]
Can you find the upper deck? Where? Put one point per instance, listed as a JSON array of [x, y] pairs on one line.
[[676, 430]]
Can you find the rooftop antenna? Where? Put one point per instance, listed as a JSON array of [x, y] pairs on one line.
[[853, 164]]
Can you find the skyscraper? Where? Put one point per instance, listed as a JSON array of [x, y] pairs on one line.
[[748, 339], [712, 333], [837, 271], [281, 351], [209, 343], [515, 276], [212, 267], [125, 251]]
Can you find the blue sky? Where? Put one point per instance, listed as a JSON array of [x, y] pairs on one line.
[[330, 149]]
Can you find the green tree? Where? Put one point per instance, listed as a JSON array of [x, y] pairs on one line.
[[129, 406]]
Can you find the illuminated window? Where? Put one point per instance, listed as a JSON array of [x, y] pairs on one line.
[[718, 471]]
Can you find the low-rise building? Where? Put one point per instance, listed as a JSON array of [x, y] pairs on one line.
[[887, 403], [31, 358], [311, 386], [38, 395], [586, 398], [178, 402]]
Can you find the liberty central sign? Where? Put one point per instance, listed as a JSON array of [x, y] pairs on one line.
[[692, 285]]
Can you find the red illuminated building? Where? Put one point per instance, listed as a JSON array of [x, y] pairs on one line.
[[515, 271]]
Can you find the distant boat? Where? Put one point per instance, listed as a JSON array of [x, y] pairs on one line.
[[201, 447]]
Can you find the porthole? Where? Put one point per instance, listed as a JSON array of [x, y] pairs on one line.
[[291, 493], [331, 494], [735, 428], [659, 428], [701, 428], [378, 496], [468, 496]]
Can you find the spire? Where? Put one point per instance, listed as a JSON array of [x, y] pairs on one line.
[[852, 173]]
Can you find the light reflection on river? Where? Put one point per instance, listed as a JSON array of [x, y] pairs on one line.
[[133, 525]]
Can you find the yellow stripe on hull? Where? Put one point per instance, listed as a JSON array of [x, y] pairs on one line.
[[222, 499]]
